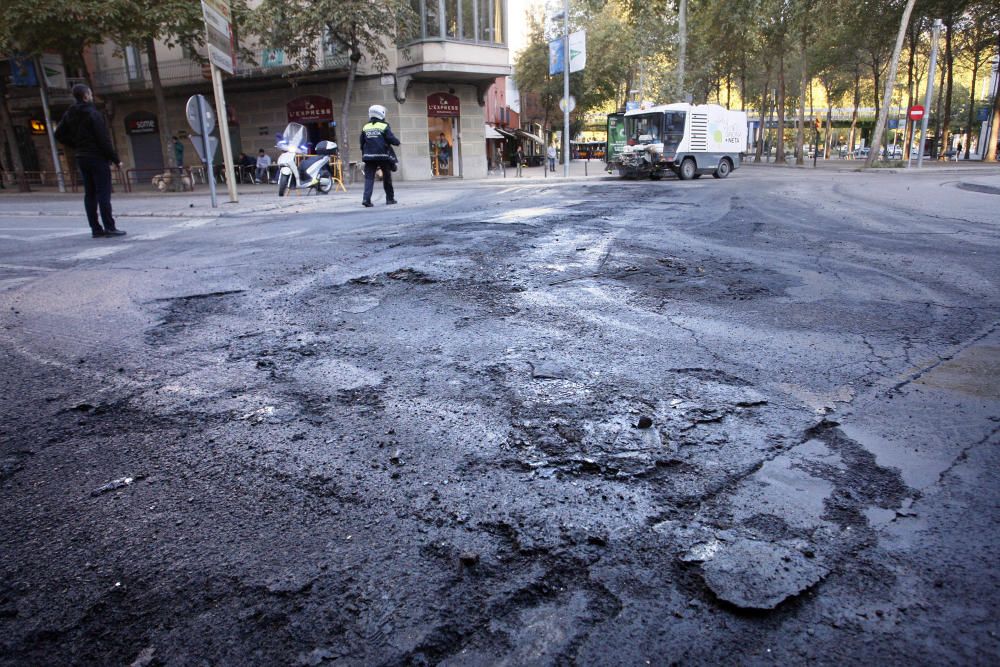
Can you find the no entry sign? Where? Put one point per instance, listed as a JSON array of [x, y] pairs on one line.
[[916, 112]]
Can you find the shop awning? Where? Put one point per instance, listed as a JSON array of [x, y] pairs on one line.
[[490, 132], [528, 135], [507, 134]]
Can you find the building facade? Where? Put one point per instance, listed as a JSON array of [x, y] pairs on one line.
[[434, 88]]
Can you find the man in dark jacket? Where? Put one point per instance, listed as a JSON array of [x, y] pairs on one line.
[[377, 141], [83, 129]]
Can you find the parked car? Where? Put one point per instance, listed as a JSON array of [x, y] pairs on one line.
[[861, 153]]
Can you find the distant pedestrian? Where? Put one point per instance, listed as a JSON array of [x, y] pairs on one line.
[[551, 154], [376, 144], [519, 157], [178, 149], [263, 163], [83, 129]]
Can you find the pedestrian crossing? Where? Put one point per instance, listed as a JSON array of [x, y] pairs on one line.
[[57, 248]]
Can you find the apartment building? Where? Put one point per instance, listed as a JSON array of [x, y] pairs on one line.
[[434, 88]]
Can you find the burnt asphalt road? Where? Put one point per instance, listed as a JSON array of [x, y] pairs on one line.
[[595, 422]]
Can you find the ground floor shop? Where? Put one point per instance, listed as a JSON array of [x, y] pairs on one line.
[[440, 125]]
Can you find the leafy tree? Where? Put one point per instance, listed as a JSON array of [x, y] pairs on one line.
[[31, 27], [360, 28], [175, 22]]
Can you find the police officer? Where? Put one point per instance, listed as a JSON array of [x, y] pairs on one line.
[[377, 141]]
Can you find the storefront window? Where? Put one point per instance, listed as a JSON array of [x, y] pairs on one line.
[[465, 20]]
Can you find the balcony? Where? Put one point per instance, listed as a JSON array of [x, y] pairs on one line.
[[462, 62], [185, 72]]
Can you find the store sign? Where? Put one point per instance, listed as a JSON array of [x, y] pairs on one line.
[[141, 122], [37, 126], [310, 109], [442, 105]]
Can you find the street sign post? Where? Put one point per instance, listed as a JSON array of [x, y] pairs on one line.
[[221, 56], [202, 120]]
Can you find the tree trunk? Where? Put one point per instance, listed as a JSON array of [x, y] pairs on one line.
[[763, 118], [829, 123], [889, 85], [779, 157], [991, 149], [161, 105], [972, 102], [857, 105], [949, 64], [910, 88], [800, 131], [15, 151], [344, 144], [681, 47]]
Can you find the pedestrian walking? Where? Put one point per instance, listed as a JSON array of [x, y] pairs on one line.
[[83, 129], [551, 154], [376, 144], [178, 149]]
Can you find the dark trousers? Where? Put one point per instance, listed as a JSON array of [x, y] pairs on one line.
[[370, 169], [96, 174]]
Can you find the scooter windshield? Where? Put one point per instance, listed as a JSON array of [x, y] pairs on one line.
[[293, 139]]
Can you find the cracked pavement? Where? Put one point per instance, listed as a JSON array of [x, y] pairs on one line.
[[588, 422]]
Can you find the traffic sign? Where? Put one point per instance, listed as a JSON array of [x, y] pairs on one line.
[[201, 122], [562, 104], [916, 112]]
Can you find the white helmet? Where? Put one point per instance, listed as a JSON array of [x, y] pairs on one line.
[[376, 111]]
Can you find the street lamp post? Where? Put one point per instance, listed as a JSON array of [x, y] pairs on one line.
[[935, 35], [566, 58]]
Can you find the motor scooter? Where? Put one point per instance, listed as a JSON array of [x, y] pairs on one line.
[[312, 173]]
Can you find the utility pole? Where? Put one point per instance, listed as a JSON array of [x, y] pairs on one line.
[[566, 59], [935, 36]]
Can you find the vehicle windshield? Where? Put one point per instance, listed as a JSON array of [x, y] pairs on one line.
[[643, 129], [293, 139]]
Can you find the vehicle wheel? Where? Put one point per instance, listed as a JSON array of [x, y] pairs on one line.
[[687, 169], [283, 184], [325, 184], [723, 169]]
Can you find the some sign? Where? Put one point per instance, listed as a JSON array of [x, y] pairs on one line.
[[141, 122], [22, 71], [443, 105], [577, 53], [37, 126], [916, 112], [272, 58], [572, 104], [54, 70], [219, 34], [310, 109]]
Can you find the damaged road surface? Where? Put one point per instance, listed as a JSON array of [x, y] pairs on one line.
[[596, 422]]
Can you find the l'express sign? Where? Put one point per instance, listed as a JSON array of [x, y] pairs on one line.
[[443, 105]]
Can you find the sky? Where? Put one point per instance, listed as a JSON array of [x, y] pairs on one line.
[[517, 24]]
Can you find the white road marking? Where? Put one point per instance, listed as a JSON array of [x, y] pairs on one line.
[[164, 232], [17, 267], [96, 253]]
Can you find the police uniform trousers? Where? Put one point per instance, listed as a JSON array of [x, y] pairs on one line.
[[370, 169]]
